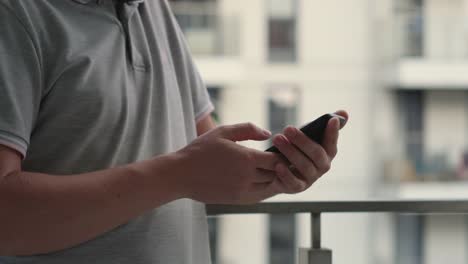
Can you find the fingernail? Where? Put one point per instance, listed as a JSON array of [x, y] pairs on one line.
[[335, 122], [266, 133], [280, 140], [338, 123], [290, 132]]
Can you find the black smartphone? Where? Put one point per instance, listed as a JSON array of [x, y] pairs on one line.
[[315, 130]]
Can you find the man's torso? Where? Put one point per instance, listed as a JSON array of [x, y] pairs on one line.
[[113, 92]]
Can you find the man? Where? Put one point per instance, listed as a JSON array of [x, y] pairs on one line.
[[100, 110]]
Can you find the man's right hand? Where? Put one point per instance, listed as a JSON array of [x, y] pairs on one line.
[[224, 172]]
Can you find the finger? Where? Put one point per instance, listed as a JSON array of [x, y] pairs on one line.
[[290, 183], [330, 141], [343, 114], [265, 160], [244, 131], [303, 164], [264, 176], [315, 152]]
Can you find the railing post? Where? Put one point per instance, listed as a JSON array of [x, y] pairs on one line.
[[316, 254]]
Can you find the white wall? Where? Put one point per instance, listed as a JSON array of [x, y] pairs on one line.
[[445, 239], [242, 240], [446, 123], [446, 31]]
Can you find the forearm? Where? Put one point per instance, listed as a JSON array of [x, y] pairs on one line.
[[45, 213]]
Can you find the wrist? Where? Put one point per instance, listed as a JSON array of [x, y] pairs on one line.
[[163, 181], [178, 163], [173, 169]]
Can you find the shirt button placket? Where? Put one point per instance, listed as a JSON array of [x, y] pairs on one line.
[[126, 12]]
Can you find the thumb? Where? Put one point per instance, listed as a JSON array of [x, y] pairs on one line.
[[244, 131]]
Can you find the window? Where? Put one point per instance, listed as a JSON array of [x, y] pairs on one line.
[[282, 105], [189, 16], [411, 16], [282, 30], [412, 107]]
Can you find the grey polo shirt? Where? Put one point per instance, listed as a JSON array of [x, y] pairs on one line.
[[83, 88]]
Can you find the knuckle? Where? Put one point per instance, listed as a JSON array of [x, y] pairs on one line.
[[310, 182], [315, 152], [298, 187], [275, 159], [223, 129], [326, 167], [334, 151], [250, 126], [311, 172], [249, 158], [287, 150], [294, 186], [306, 165], [302, 139], [319, 156]]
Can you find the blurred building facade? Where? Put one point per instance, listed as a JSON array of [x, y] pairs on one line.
[[398, 66]]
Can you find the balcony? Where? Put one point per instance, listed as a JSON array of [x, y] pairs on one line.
[[432, 49], [431, 144], [436, 167]]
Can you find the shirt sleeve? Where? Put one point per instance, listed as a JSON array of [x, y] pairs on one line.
[[20, 82], [200, 98]]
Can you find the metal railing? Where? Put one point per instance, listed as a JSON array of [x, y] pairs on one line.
[[319, 255]]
